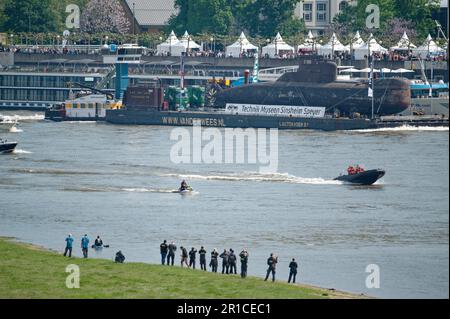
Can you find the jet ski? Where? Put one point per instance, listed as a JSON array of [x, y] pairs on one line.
[[362, 178], [7, 147], [186, 190]]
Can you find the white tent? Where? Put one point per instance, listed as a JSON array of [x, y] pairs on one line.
[[309, 44], [404, 44], [334, 45], [428, 48], [357, 42], [186, 44], [277, 48], [372, 46], [240, 46], [166, 47]]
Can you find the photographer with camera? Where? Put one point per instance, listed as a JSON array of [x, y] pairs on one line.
[[272, 262]]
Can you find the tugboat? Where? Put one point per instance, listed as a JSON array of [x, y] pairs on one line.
[[7, 147], [359, 176]]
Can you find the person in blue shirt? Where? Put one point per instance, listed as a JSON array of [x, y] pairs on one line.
[[85, 245], [69, 242]]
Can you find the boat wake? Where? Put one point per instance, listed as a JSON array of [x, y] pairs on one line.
[[120, 189], [14, 129], [405, 128], [18, 151], [23, 118], [257, 177]]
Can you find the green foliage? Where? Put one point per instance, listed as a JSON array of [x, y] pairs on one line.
[[29, 272], [267, 17], [35, 15], [259, 18], [417, 12], [197, 16], [30, 15]]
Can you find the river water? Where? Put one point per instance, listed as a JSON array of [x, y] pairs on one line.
[[118, 182]]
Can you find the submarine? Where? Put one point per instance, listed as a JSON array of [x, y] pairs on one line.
[[316, 84]]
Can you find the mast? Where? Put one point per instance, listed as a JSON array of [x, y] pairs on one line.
[[371, 87], [256, 67]]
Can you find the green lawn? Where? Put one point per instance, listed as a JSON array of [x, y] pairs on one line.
[[27, 271]]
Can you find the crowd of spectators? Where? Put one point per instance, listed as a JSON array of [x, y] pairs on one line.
[[74, 50]]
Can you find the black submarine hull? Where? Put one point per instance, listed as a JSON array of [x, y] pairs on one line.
[[391, 96], [218, 119], [315, 84]]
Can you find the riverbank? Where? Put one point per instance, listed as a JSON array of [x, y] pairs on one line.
[[29, 271]]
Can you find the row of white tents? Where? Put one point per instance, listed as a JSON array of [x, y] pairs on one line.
[[279, 47]]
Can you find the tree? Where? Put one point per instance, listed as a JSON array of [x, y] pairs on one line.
[[202, 16], [60, 7], [267, 17], [419, 12], [30, 16], [353, 17], [416, 14], [104, 16], [259, 18]]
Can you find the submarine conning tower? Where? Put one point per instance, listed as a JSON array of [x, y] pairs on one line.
[[312, 70]]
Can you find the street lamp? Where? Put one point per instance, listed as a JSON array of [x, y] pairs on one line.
[[106, 40], [212, 44], [12, 39]]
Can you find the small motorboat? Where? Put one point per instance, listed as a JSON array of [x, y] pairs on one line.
[[6, 124], [362, 178], [7, 147]]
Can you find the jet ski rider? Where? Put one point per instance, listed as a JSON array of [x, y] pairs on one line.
[[184, 186]]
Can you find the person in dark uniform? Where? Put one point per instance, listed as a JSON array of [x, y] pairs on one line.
[[192, 256], [293, 271], [232, 261], [184, 256], [120, 258], [244, 262], [164, 248], [272, 263], [214, 263], [202, 254], [171, 255], [225, 264], [98, 242]]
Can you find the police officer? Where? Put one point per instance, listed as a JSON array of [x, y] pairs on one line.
[[244, 262], [272, 263], [164, 248], [184, 256], [293, 270], [202, 254], [214, 263], [171, 255], [192, 256], [225, 264], [232, 261]]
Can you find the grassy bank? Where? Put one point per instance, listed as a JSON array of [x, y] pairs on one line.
[[28, 271]]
